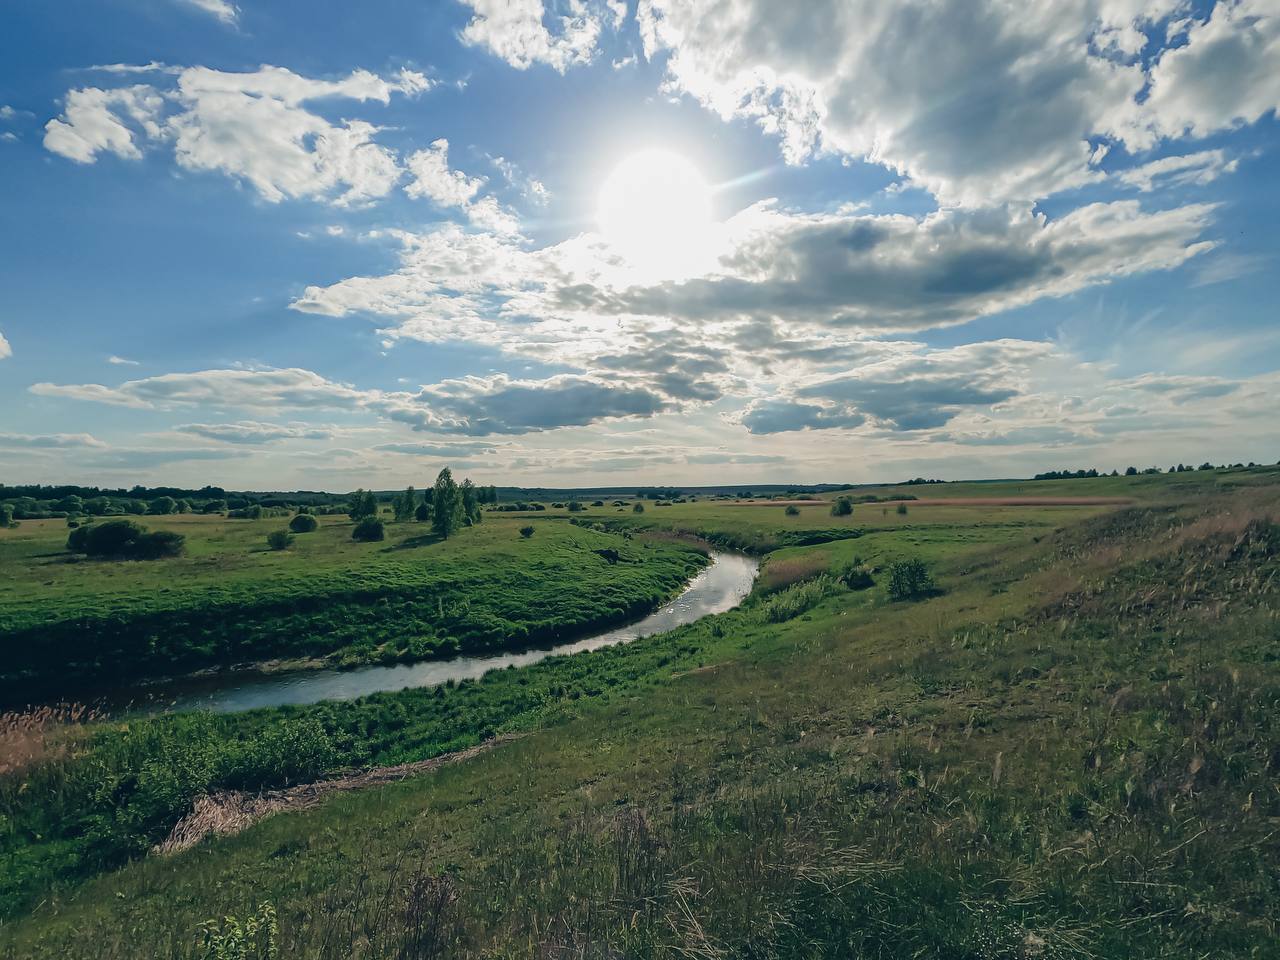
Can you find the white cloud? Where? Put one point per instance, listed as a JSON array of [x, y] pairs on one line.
[[5, 349], [530, 188], [224, 11], [255, 432], [94, 121], [250, 126], [516, 31], [50, 441], [977, 101], [1226, 74], [434, 180], [1193, 168], [242, 388], [122, 361]]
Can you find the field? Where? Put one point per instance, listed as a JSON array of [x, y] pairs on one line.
[[1068, 749], [67, 627]]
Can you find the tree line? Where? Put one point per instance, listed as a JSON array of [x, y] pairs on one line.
[[447, 505]]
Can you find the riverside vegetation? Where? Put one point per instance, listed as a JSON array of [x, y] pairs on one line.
[[1059, 741]]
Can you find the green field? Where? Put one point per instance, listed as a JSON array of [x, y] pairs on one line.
[[68, 627], [1068, 750]]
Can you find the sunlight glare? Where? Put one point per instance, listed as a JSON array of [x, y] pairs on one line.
[[655, 211]]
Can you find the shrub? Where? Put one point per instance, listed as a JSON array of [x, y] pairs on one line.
[[303, 523], [902, 509], [857, 577], [843, 507], [112, 538], [423, 513], [125, 540], [909, 579], [161, 506], [792, 511], [78, 539], [526, 532], [6, 515], [575, 506], [280, 539], [158, 545], [368, 530], [597, 503], [638, 508]]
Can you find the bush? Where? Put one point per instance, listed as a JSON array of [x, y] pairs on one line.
[[792, 511], [161, 506], [638, 508], [575, 506], [526, 532], [280, 539], [909, 579], [369, 530], [125, 540], [303, 523], [902, 509], [597, 503], [857, 577], [423, 513], [843, 507]]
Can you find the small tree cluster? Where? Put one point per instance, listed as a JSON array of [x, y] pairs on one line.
[[364, 504], [842, 507]]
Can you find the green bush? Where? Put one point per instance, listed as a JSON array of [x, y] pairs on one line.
[[792, 511], [369, 530], [857, 577], [638, 508], [125, 540], [279, 539], [902, 509], [303, 523], [843, 507], [526, 532], [909, 579]]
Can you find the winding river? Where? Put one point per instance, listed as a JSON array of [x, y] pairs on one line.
[[720, 587]]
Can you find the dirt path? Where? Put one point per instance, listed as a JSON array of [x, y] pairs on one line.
[[228, 812]]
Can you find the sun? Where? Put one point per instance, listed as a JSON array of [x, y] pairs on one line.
[[655, 210]]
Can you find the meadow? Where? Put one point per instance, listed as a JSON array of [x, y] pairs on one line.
[[1066, 750], [71, 625]]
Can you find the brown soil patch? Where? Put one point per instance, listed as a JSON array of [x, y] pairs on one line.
[[228, 812]]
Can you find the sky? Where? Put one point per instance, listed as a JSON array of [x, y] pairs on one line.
[[284, 245]]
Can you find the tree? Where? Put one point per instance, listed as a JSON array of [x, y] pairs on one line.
[[575, 506], [423, 513], [6, 515], [363, 505], [842, 507], [162, 506], [125, 540], [638, 508], [1130, 471], [404, 505], [303, 523], [369, 529], [71, 504], [902, 509], [280, 539], [470, 502], [214, 506], [446, 505], [136, 507]]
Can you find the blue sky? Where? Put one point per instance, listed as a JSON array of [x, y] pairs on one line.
[[314, 245]]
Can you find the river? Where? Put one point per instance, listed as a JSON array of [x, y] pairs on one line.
[[720, 587]]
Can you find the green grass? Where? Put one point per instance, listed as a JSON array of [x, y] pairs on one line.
[[1070, 752], [233, 601]]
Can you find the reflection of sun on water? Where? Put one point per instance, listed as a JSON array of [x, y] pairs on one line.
[[655, 210]]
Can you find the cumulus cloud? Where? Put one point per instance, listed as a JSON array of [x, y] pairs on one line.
[[977, 102], [250, 126], [517, 32], [916, 389], [5, 349], [481, 406], [1227, 72], [255, 432], [472, 406]]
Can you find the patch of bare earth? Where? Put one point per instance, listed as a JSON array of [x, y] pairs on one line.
[[228, 812]]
